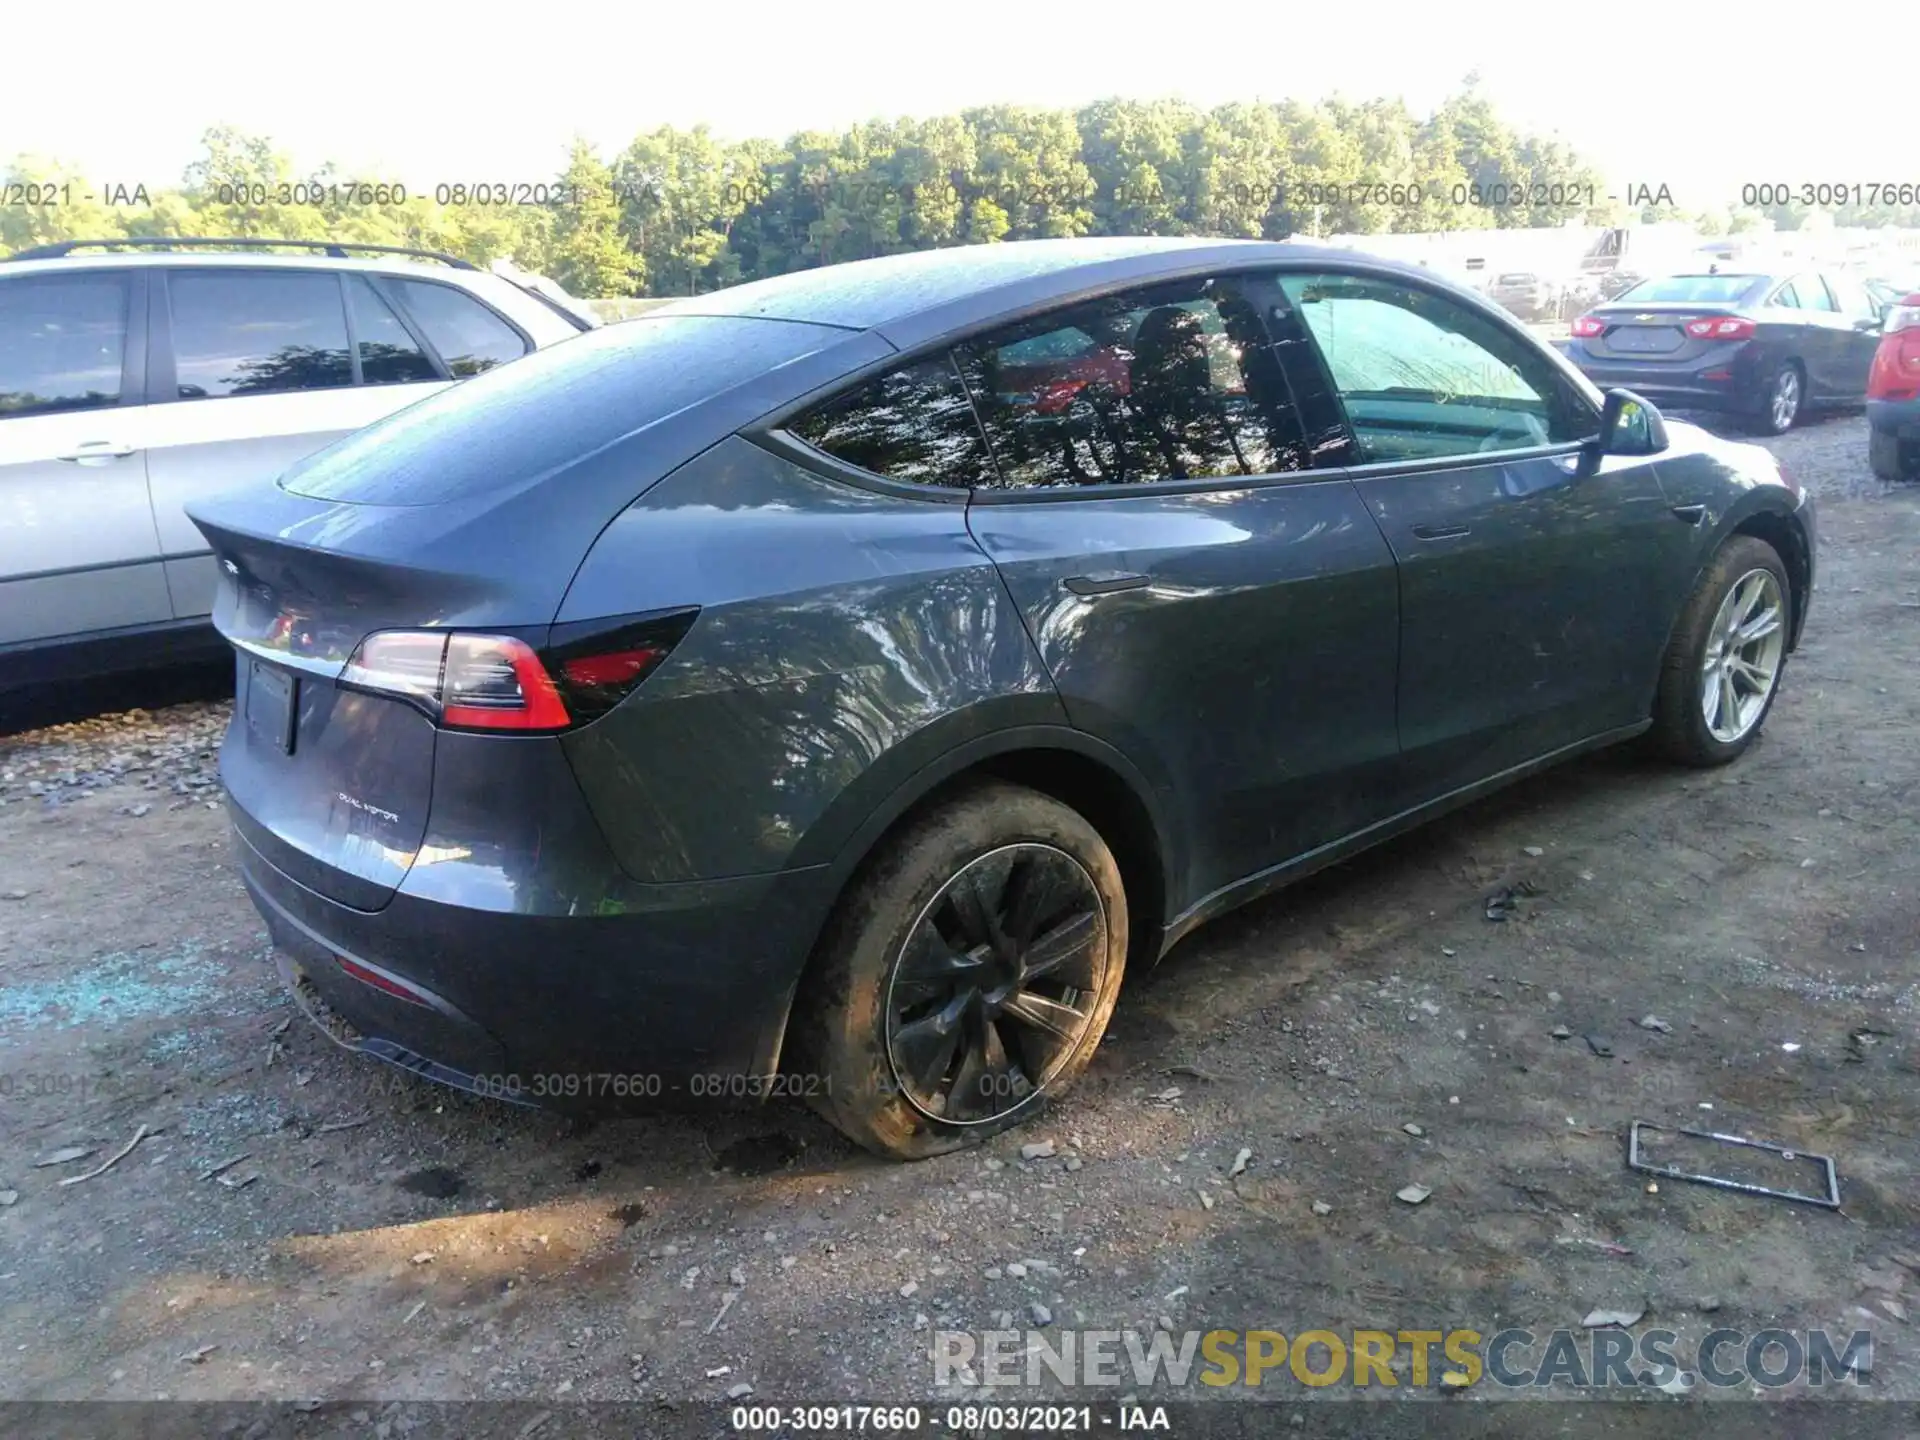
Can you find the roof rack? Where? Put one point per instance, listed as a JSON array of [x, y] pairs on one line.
[[335, 249]]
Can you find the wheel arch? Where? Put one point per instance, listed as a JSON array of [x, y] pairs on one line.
[[1784, 532], [1058, 761]]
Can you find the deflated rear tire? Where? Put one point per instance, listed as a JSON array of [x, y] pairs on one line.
[[1723, 663], [966, 977]]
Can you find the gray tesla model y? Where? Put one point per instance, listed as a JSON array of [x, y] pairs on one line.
[[831, 686]]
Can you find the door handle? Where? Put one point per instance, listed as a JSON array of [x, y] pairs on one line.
[[1439, 532], [1105, 582], [1692, 514], [96, 452]]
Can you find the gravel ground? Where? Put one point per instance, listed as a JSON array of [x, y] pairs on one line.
[[1741, 940]]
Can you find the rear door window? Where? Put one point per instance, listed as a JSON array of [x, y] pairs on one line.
[[1856, 301], [1813, 293], [257, 332], [469, 337], [914, 424], [1787, 297], [63, 342], [389, 355], [1423, 376], [1173, 382]]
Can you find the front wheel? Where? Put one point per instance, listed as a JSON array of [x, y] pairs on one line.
[[966, 977], [1723, 662]]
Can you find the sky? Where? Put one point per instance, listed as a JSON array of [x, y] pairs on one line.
[[1701, 98]]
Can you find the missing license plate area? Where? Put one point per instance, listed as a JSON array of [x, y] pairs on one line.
[[271, 696], [1654, 341], [1734, 1162]]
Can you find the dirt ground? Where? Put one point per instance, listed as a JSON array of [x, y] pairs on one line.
[[383, 1241]]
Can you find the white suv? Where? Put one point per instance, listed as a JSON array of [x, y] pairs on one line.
[[153, 373]]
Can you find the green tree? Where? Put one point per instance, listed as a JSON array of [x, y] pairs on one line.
[[589, 254], [1031, 171], [54, 204], [1140, 157]]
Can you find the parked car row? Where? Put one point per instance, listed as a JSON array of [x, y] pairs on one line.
[[134, 380]]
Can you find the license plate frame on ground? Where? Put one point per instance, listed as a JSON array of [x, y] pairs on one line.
[[272, 703]]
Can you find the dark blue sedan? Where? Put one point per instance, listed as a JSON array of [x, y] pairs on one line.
[[1768, 348]]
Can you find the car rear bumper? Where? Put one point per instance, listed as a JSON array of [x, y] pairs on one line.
[[661, 992], [1680, 384], [1898, 418], [1675, 387]]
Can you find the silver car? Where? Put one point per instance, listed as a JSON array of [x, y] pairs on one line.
[[134, 381]]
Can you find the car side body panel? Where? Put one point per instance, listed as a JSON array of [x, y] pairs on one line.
[[837, 624], [1719, 478], [1251, 666], [1536, 595]]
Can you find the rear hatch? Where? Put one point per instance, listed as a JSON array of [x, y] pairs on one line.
[[467, 513], [1672, 320]]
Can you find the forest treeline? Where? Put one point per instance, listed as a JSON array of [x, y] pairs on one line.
[[680, 211]]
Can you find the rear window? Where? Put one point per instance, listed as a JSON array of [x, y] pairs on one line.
[[1708, 289], [469, 337], [520, 421]]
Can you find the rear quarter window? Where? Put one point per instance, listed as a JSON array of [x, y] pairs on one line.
[[469, 336], [516, 423]]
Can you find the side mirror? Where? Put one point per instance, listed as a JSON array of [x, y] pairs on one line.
[[1629, 425], [1869, 323]]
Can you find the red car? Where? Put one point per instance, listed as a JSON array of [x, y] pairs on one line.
[[1893, 394]]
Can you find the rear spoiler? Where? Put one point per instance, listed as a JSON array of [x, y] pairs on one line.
[[548, 293]]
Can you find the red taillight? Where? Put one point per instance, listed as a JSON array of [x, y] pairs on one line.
[[1587, 326], [622, 667], [494, 682], [499, 682], [1720, 327]]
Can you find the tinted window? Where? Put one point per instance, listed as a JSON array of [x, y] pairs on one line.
[[1787, 297], [1174, 383], [388, 354], [1421, 375], [1712, 289], [914, 424], [62, 340], [1813, 293], [469, 337], [253, 332]]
